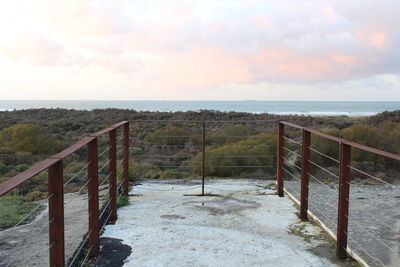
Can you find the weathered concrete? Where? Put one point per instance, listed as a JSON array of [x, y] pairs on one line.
[[28, 245], [248, 225], [374, 218]]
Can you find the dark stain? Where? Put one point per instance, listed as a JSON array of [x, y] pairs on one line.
[[172, 217], [224, 205], [112, 252]]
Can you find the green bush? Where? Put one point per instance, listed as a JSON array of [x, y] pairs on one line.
[[249, 152], [152, 174], [35, 195], [173, 135], [4, 168], [123, 201], [171, 174], [28, 138], [232, 134], [139, 170]]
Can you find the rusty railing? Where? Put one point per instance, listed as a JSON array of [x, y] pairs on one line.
[[344, 162], [55, 167]]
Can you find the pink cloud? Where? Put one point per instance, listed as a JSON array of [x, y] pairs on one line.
[[200, 44], [200, 68], [33, 48]]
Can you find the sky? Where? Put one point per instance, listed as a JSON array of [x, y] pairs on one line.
[[200, 50]]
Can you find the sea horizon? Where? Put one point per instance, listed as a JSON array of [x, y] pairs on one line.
[[311, 108]]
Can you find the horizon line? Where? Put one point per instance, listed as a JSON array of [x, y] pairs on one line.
[[192, 100]]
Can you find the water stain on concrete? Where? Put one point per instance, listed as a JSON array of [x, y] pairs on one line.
[[113, 252], [172, 217], [224, 205]]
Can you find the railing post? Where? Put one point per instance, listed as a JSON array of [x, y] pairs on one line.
[[203, 148], [126, 160], [56, 214], [113, 175], [305, 169], [343, 203], [93, 198], [279, 159]]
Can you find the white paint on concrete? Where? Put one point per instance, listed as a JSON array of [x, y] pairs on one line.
[[247, 226]]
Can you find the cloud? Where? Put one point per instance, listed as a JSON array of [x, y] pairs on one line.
[[33, 48], [189, 45]]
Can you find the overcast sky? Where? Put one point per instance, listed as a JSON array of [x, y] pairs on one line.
[[200, 50]]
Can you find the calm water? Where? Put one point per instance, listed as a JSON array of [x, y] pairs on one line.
[[274, 107]]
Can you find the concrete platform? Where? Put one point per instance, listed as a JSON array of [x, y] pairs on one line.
[[247, 225]]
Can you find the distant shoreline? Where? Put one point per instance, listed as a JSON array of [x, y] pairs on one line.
[[312, 114], [306, 108]]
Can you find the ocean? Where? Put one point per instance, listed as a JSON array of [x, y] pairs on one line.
[[313, 108]]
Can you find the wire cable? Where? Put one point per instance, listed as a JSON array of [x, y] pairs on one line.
[[291, 163], [77, 173], [87, 256], [34, 238], [322, 183], [29, 214], [292, 141], [105, 165], [322, 154], [107, 149], [245, 156], [291, 151], [78, 251], [292, 175], [322, 168], [371, 176]]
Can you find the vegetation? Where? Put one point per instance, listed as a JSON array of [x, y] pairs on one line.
[[122, 201], [386, 137], [13, 209], [240, 158], [173, 150], [28, 138]]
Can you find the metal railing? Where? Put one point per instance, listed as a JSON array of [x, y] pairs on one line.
[[201, 134], [300, 149], [304, 149], [56, 184]]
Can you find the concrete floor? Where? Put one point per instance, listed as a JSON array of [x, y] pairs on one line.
[[247, 225]]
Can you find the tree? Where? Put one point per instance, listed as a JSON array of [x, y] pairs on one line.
[[28, 138]]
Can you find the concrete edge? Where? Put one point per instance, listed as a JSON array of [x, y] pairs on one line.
[[352, 253]]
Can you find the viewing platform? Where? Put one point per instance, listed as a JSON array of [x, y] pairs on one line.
[[245, 224], [151, 193]]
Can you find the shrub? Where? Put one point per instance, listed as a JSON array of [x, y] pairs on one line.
[[171, 174], [36, 195], [123, 201], [139, 170], [28, 138]]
